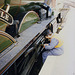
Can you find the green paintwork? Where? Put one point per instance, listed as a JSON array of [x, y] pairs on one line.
[[30, 19], [4, 43], [31, 16], [2, 26], [27, 24]]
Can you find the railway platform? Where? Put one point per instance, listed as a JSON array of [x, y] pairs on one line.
[[64, 64]]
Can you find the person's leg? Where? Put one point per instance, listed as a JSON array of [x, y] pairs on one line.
[[45, 54], [57, 51]]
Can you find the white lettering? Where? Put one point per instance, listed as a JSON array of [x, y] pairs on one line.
[[4, 15]]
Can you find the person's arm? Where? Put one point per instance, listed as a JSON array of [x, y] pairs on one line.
[[53, 43]]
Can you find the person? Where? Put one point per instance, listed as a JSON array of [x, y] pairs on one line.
[[55, 47]]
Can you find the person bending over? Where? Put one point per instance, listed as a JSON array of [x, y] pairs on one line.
[[55, 47]]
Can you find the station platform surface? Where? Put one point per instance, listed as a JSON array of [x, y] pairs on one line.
[[64, 64]]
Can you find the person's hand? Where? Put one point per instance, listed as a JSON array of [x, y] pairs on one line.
[[45, 45], [48, 37]]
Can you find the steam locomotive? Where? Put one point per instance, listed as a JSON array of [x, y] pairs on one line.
[[21, 33]]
